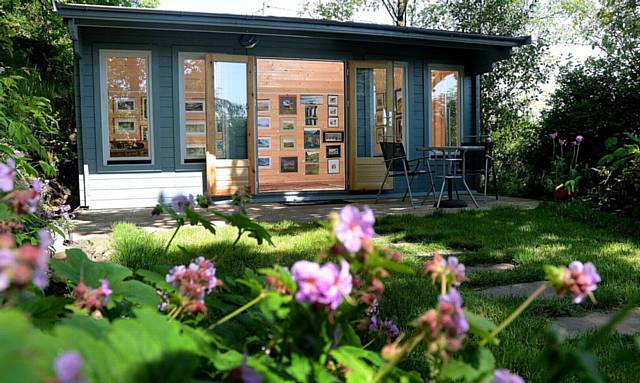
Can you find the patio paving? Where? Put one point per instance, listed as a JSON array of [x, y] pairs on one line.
[[490, 268], [574, 326], [96, 224], [517, 290]]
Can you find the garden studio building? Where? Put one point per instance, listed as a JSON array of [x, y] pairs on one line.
[[194, 103]]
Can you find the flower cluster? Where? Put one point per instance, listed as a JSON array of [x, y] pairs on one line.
[[325, 285], [374, 325], [446, 326], [505, 376], [181, 202], [563, 142], [354, 228], [578, 280], [450, 270], [28, 263], [194, 282], [68, 368], [7, 174], [92, 299]]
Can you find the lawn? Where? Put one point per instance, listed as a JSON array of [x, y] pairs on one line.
[[549, 234]]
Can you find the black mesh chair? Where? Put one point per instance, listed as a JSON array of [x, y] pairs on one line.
[[397, 164], [481, 163]]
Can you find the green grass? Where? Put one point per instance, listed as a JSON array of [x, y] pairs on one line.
[[550, 234]]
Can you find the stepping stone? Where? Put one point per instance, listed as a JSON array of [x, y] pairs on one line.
[[444, 253], [574, 326], [517, 290], [490, 268]]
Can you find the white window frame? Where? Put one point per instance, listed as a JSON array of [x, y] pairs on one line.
[[405, 103], [184, 159], [104, 106], [460, 70]]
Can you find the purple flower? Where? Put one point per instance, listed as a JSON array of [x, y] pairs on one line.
[[7, 173], [181, 201], [67, 367], [354, 228], [456, 269], [6, 263], [105, 291], [553, 135], [341, 285], [451, 269], [390, 328], [194, 282], [373, 323], [579, 138], [581, 280], [573, 143], [447, 325], [325, 284], [504, 376], [451, 313], [40, 271], [562, 142]]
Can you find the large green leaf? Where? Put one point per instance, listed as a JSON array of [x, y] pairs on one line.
[[357, 369]]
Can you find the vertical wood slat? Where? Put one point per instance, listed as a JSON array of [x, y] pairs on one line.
[[211, 128]]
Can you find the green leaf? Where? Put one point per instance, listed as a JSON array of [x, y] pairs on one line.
[[225, 361], [479, 325], [358, 370], [610, 142], [44, 311], [377, 260]]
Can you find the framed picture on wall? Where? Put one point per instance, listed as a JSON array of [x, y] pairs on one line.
[[264, 106], [288, 105], [380, 98], [333, 122], [399, 105], [264, 162], [124, 105], [264, 122], [194, 106], [333, 166], [311, 156], [288, 125], [333, 111], [264, 142], [333, 151], [333, 136], [398, 128], [144, 107], [311, 99], [126, 126], [311, 169], [288, 143], [312, 138], [220, 147], [332, 100], [288, 164]]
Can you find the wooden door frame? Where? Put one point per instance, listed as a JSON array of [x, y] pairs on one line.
[[211, 134], [353, 65]]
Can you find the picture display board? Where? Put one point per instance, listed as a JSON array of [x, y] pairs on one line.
[[304, 101]]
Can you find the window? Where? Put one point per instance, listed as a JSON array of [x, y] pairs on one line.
[[445, 107], [125, 93], [193, 117], [399, 102], [231, 105]]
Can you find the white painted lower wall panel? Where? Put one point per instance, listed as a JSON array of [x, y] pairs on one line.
[[130, 190]]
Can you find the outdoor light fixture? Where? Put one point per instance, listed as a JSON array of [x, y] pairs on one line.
[[248, 41]]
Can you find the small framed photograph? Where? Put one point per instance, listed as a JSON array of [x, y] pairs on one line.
[[288, 105], [288, 125], [332, 100], [126, 126], [195, 127], [333, 123], [380, 119], [333, 111], [288, 143], [264, 162], [220, 147], [333, 166], [334, 151], [399, 104], [124, 105], [195, 151], [311, 156], [264, 106], [144, 107], [144, 132], [398, 128], [312, 138], [194, 106], [288, 164], [333, 136], [380, 98], [311, 169], [264, 142], [311, 99], [264, 122]]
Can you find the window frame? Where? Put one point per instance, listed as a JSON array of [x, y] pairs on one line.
[[107, 160], [406, 121], [445, 67], [182, 115]]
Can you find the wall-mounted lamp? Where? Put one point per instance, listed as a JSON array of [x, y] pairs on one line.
[[248, 41]]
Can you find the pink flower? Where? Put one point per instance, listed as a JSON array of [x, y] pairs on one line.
[[194, 282], [92, 299], [326, 285], [579, 138], [447, 327], [28, 263], [451, 269], [562, 142], [573, 143], [505, 376], [579, 280], [354, 228], [553, 135], [68, 368], [7, 174], [341, 284]]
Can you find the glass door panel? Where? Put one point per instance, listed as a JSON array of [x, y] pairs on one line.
[[445, 100]]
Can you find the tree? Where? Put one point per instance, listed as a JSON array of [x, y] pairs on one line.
[[343, 10]]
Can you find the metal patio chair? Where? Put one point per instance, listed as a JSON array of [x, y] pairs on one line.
[[397, 164], [482, 163]]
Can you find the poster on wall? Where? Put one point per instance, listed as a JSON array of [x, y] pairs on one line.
[[312, 138], [288, 104], [288, 164], [333, 166]]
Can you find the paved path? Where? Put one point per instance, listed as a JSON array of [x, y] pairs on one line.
[[575, 326]]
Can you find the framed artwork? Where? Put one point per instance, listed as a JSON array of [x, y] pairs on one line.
[[311, 156], [288, 124], [144, 107], [332, 100], [333, 111], [264, 162], [398, 128], [288, 104], [334, 151], [333, 122], [288, 143], [195, 128], [196, 106], [333, 136], [288, 164], [399, 104], [264, 122], [126, 126], [124, 105], [311, 99], [311, 115], [312, 138], [311, 169], [144, 132], [220, 147], [333, 166], [264, 106], [380, 120], [380, 98], [195, 151], [264, 142]]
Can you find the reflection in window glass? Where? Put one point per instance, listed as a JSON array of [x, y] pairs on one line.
[[371, 110], [194, 118], [445, 100], [230, 80], [399, 104], [127, 93]]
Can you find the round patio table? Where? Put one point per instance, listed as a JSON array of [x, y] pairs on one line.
[[449, 155]]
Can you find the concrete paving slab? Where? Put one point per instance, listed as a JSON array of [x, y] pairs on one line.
[[575, 326], [518, 290], [490, 268]]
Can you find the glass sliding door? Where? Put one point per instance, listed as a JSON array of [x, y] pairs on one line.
[[445, 107], [371, 116]]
